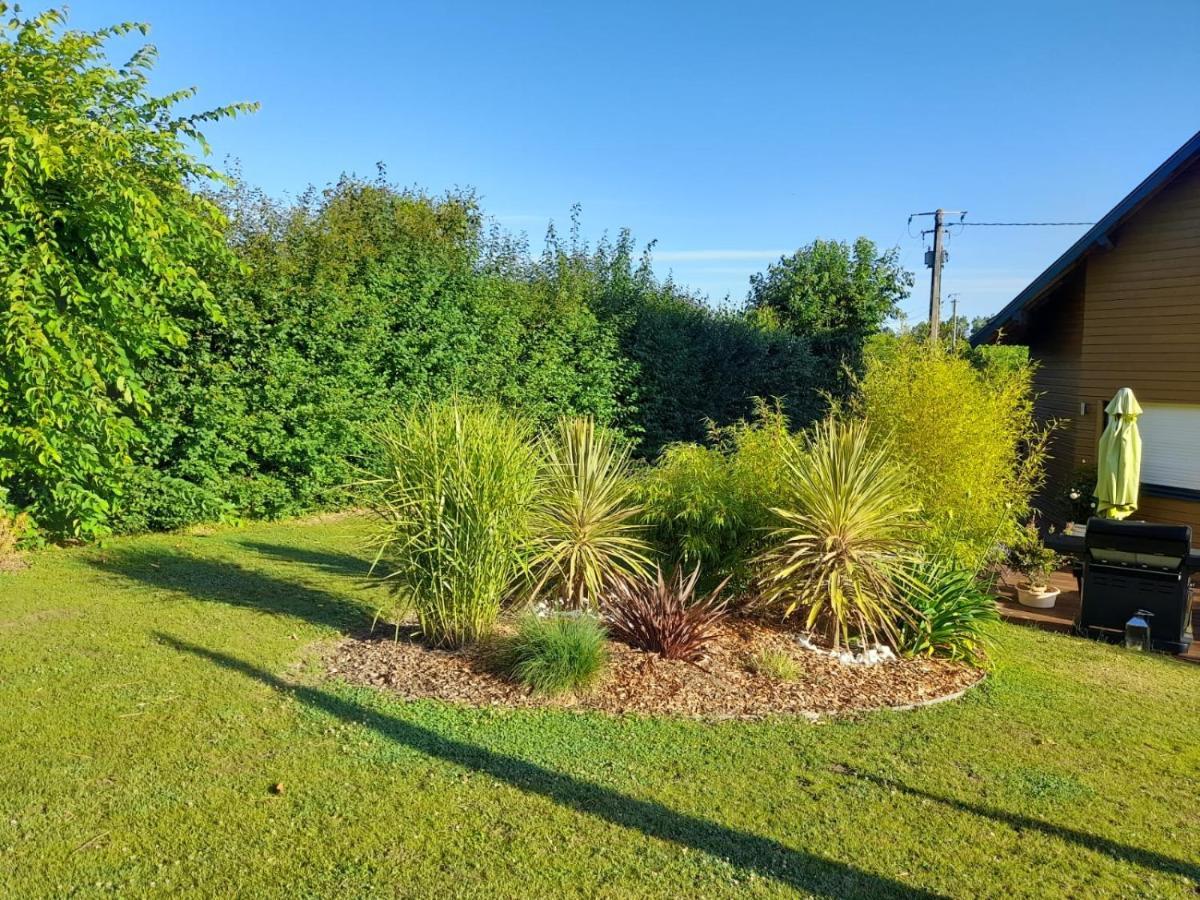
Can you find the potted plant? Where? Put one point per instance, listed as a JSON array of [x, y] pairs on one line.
[[1080, 499], [1037, 562]]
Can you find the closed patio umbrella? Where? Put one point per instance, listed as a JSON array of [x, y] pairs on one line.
[[1119, 466]]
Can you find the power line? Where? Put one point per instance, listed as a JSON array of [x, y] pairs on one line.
[[1019, 224], [936, 258]]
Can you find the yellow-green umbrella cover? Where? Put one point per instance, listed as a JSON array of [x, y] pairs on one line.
[[1119, 466]]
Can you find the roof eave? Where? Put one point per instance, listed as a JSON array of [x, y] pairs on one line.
[[1097, 236]]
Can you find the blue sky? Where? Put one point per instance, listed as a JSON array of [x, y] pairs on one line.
[[728, 132]]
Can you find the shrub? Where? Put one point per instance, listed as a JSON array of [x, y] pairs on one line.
[[697, 365], [107, 248], [1078, 499], [587, 533], [773, 664], [691, 504], [974, 451], [663, 616], [555, 654], [14, 528], [453, 497], [156, 501], [709, 505], [840, 549], [951, 612]]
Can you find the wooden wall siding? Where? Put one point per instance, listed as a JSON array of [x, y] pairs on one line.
[[1142, 327], [1141, 321], [1164, 509], [1056, 341]]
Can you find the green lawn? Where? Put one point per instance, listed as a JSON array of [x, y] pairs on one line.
[[153, 691]]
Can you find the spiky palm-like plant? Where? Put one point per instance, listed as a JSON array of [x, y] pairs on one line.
[[587, 527], [840, 549]]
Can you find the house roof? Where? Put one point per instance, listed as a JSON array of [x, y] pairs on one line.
[[1097, 236]]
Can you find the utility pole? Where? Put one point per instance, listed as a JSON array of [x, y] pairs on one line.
[[935, 259], [935, 279], [954, 319]]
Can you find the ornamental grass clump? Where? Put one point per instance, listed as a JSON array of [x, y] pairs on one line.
[[664, 616], [587, 528], [555, 654], [773, 664], [843, 541], [454, 496], [951, 612]]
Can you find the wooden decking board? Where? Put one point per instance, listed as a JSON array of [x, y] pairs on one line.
[[1061, 617]]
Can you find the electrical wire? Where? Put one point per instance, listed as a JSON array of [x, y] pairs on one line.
[[1018, 224]]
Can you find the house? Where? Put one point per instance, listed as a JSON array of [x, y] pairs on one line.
[[1121, 308]]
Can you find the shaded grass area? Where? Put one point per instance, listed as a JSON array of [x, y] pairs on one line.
[[151, 693]]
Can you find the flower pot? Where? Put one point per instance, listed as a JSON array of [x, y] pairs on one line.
[[1036, 597]]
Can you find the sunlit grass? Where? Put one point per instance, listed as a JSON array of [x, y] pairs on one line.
[[133, 766]]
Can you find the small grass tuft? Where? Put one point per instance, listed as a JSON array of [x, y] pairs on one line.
[[773, 664], [555, 654]]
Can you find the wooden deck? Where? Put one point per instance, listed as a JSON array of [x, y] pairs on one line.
[[1062, 616]]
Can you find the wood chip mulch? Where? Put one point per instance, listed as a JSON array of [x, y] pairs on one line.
[[717, 687]]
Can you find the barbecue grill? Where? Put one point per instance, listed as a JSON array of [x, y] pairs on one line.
[[1131, 567]]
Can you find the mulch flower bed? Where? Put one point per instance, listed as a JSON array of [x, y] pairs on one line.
[[717, 687]]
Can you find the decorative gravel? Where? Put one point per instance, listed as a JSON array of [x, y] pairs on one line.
[[719, 686]]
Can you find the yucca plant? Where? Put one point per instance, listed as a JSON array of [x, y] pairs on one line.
[[453, 496], [587, 529], [840, 549], [952, 612], [663, 615], [555, 654]]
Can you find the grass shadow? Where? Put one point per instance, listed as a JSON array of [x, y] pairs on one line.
[[1147, 859], [794, 868], [224, 581], [330, 562]]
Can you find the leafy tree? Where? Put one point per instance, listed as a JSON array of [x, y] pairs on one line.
[[947, 330], [977, 323], [833, 294], [105, 244]]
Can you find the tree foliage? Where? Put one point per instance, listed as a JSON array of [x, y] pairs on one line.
[[834, 294], [104, 244], [178, 347]]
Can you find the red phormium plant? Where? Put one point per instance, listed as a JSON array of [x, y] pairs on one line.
[[663, 616]]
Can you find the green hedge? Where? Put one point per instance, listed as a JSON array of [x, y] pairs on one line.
[[364, 298]]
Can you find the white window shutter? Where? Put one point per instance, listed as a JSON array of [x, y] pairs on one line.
[[1170, 445]]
